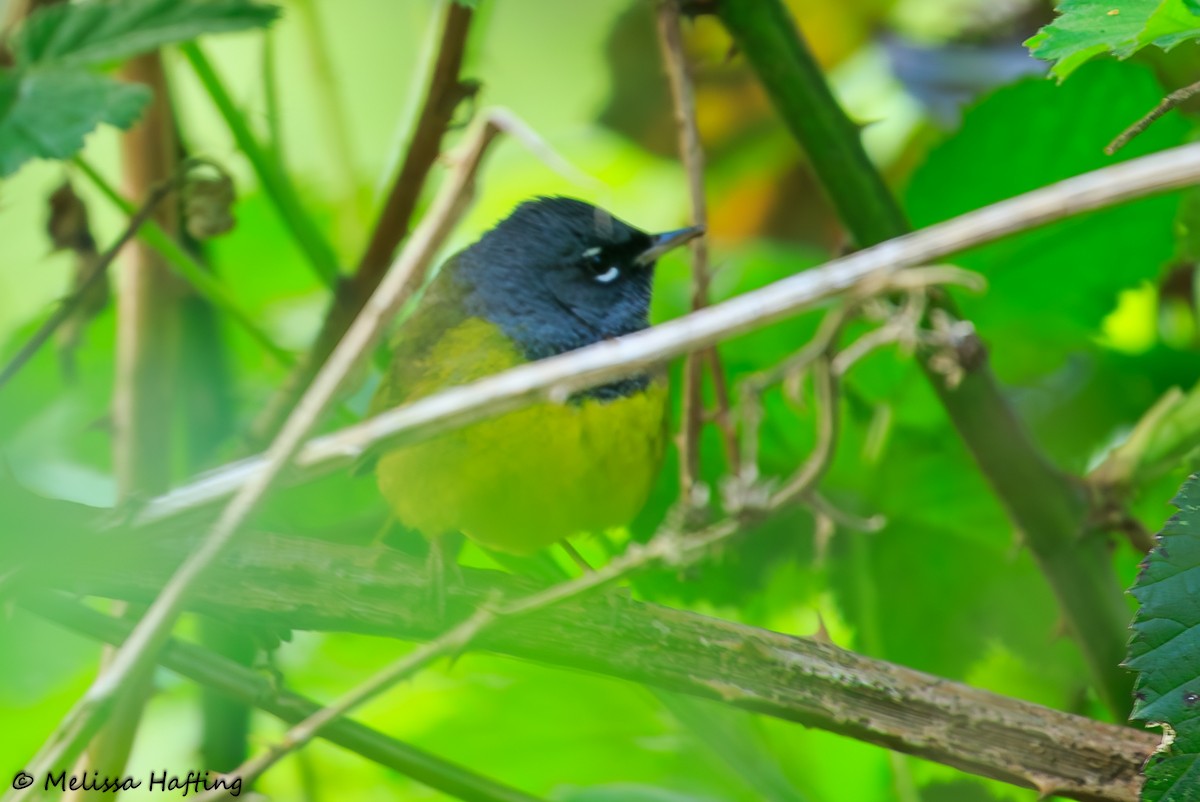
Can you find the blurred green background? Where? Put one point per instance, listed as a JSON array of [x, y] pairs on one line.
[[1088, 322]]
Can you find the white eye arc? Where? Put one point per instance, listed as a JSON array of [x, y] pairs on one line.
[[609, 276]]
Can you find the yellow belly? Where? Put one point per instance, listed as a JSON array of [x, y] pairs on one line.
[[522, 481]]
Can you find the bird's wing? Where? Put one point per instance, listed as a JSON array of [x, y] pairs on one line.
[[439, 311]]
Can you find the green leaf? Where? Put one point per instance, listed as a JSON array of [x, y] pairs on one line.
[[629, 792], [1166, 640], [97, 32], [1049, 290], [1088, 28], [46, 113]]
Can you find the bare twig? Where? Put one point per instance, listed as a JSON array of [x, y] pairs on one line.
[[1171, 101], [98, 274], [691, 152], [445, 93], [405, 276], [825, 393], [560, 376]]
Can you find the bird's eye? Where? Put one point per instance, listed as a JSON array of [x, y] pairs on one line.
[[609, 276], [601, 270]]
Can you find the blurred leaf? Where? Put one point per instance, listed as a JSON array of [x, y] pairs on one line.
[[84, 34], [1050, 289], [1088, 28], [732, 737], [1166, 639], [628, 792], [53, 109]]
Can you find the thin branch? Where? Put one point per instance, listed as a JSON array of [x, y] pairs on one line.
[[99, 274], [252, 688], [151, 631], [271, 580], [691, 152], [558, 377], [1171, 101], [446, 91], [826, 400]]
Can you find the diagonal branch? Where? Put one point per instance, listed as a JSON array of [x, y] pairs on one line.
[[559, 376], [446, 91], [98, 274], [691, 153]]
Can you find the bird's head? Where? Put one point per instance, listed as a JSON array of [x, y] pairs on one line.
[[559, 274]]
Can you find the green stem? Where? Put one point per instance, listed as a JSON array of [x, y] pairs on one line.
[[766, 34], [186, 266], [249, 686], [1048, 506], [274, 181]]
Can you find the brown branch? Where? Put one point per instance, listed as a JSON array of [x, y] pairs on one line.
[[691, 152], [446, 91], [149, 299], [270, 580], [1171, 101]]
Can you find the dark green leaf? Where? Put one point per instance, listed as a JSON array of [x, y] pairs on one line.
[[1087, 28], [1166, 640], [52, 110], [94, 32]]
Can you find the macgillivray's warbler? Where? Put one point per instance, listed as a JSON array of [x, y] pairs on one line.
[[555, 275]]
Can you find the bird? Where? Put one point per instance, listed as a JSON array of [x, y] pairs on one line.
[[555, 275]]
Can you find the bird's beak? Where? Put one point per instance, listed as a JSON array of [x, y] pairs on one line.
[[661, 243]]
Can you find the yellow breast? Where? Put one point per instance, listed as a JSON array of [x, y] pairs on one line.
[[522, 481]]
